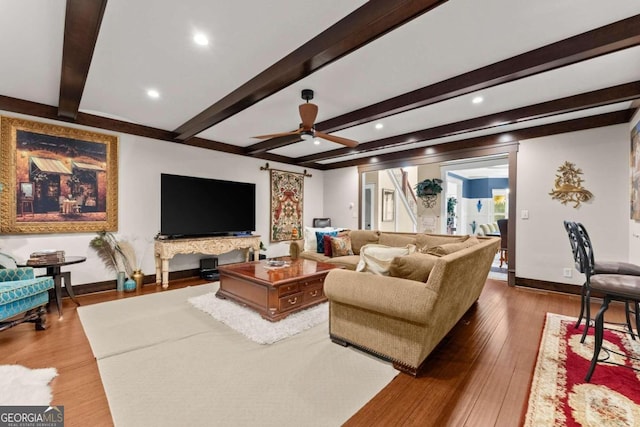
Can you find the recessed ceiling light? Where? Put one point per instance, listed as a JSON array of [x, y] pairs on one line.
[[316, 141], [477, 100], [200, 39], [379, 126], [152, 93]]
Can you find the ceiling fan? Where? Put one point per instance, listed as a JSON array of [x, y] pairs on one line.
[[308, 113]]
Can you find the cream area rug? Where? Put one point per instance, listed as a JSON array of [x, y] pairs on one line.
[[250, 324], [22, 386], [164, 363]]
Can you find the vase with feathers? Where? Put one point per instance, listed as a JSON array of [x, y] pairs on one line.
[[117, 255]]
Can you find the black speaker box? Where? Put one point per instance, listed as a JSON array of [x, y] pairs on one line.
[[209, 269]]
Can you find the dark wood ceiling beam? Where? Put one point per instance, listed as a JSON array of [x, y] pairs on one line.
[[498, 139], [594, 43], [50, 112], [271, 144], [591, 44], [596, 98], [81, 28], [367, 23]]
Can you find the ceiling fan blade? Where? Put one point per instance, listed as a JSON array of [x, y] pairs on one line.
[[308, 114], [276, 135], [344, 141]]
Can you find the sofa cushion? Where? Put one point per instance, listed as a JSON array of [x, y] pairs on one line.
[[349, 262], [397, 240], [340, 246], [376, 259], [426, 241], [416, 266], [320, 239], [314, 256], [449, 248], [359, 238]]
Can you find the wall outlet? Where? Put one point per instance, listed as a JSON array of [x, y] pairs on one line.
[[567, 272], [524, 214]]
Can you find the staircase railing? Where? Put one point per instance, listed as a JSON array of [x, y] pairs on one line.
[[406, 194]]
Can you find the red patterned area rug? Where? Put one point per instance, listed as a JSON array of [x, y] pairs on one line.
[[559, 396]]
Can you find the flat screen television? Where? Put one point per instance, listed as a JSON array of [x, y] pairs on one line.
[[191, 207]]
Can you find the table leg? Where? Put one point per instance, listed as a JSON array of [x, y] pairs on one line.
[[158, 269], [165, 273], [67, 284], [57, 282]]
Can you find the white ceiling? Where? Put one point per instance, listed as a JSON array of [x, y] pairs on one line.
[[146, 44]]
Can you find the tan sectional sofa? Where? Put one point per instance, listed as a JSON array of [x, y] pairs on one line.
[[403, 318]]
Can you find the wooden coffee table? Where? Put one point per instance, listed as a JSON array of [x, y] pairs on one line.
[[274, 292]]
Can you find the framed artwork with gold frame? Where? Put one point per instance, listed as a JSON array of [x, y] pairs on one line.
[[56, 179]]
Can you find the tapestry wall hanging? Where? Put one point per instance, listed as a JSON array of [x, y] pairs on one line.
[[287, 191], [56, 179]]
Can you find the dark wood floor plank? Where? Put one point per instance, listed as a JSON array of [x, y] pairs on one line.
[[479, 375]]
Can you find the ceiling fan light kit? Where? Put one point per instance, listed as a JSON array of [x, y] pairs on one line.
[[308, 113]]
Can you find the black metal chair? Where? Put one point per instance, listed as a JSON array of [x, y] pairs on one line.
[[614, 287], [581, 246]]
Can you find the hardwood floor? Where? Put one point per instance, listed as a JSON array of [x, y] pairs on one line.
[[478, 376]]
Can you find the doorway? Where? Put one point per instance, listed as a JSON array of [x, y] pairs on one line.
[[368, 206]]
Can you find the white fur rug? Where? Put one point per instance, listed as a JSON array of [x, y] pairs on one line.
[[250, 324], [25, 387]]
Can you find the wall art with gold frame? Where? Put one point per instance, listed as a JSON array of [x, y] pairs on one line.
[[56, 179]]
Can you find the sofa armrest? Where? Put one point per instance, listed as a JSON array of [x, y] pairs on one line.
[[295, 248], [391, 296]]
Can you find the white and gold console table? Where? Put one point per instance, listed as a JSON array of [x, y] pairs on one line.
[[164, 250]]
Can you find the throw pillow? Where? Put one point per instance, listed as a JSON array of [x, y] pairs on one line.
[[413, 267], [449, 248], [310, 240], [327, 245], [320, 239], [340, 246], [376, 258]]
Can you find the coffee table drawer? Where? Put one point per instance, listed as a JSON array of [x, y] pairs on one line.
[[291, 301], [313, 293], [287, 289]]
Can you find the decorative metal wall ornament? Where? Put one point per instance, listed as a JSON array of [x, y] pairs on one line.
[[568, 186], [428, 191]]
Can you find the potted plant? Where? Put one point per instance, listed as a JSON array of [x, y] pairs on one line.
[[428, 191], [451, 214]]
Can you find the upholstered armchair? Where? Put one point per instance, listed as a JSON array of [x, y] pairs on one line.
[[22, 293]]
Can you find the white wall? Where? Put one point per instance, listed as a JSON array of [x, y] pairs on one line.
[[542, 244], [634, 226], [141, 160], [543, 249], [340, 193]]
